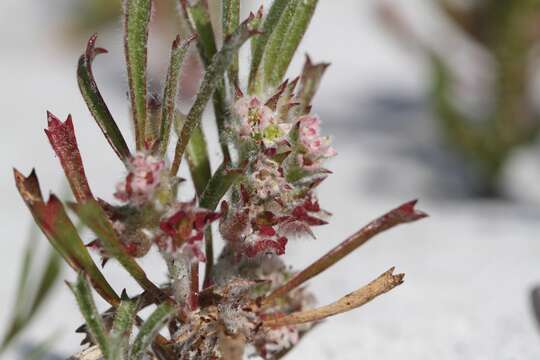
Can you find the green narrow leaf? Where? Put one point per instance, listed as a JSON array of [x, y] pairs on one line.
[[198, 19], [196, 156], [230, 21], [94, 324], [53, 220], [93, 216], [137, 19], [259, 43], [95, 102], [213, 75], [300, 22], [274, 44], [149, 329], [121, 329], [222, 180], [170, 93]]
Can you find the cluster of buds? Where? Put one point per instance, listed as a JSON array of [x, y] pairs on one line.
[[149, 215], [145, 173], [276, 200]]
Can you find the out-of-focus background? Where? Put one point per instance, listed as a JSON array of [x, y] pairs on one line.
[[405, 85]]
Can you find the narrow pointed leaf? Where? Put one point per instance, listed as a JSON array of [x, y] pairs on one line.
[[63, 141], [121, 329], [401, 215], [214, 73], [197, 16], [302, 17], [222, 180], [170, 93], [96, 103], [93, 216], [196, 156], [92, 317], [230, 21], [53, 220], [198, 19], [149, 329], [275, 42], [309, 83], [259, 43], [136, 23]]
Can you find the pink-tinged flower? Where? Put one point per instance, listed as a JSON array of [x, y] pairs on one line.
[[259, 122], [183, 229], [253, 114], [315, 147], [143, 179]]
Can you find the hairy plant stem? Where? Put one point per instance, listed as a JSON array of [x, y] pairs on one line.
[[384, 283]]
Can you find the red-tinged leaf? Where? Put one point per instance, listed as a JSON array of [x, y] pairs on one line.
[[273, 101], [62, 139], [28, 187], [309, 83], [95, 102], [53, 220], [403, 214], [266, 245], [93, 216]]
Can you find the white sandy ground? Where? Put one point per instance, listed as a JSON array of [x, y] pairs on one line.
[[470, 266]]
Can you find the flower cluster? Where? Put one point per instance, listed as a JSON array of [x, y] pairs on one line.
[[276, 200], [273, 161], [149, 218]]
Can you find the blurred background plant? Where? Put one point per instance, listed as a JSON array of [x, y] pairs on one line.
[[39, 274], [497, 114]]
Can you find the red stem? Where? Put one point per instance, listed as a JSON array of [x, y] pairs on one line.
[[403, 214]]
